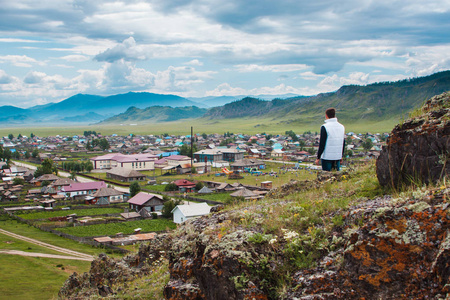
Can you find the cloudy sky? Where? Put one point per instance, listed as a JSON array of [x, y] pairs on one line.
[[53, 49]]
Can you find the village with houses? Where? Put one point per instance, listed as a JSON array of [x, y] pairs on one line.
[[118, 190]]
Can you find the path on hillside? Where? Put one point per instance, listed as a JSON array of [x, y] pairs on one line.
[[35, 254], [71, 253]]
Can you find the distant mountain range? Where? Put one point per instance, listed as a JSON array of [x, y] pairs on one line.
[[88, 108], [374, 102], [213, 101], [157, 114]]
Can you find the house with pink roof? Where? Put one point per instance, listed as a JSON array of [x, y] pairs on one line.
[[138, 162], [149, 202], [81, 189]]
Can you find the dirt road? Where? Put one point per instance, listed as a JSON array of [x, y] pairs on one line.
[[70, 254], [65, 174], [35, 254]]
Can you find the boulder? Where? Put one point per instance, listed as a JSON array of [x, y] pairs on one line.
[[418, 150]]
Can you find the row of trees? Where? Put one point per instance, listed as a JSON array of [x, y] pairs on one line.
[[77, 166]]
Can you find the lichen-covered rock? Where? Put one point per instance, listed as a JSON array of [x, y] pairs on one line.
[[105, 272], [401, 252], [419, 149], [204, 264]]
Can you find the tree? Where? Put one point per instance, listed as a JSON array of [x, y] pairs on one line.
[[292, 135], [27, 154], [16, 154], [7, 154], [18, 180], [311, 151], [35, 153], [10, 136], [73, 176], [204, 135], [134, 188], [168, 206], [302, 144], [46, 167], [88, 166], [367, 144], [199, 186], [104, 144], [186, 150], [32, 135], [171, 187]]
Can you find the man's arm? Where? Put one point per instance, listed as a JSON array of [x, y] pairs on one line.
[[322, 142]]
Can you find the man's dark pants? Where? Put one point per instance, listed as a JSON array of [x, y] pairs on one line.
[[328, 165]]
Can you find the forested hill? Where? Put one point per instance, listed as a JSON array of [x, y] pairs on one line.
[[378, 101]]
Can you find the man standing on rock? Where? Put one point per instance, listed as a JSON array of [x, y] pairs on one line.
[[332, 142]]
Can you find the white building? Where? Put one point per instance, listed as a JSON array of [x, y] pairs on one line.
[[183, 212], [138, 162]]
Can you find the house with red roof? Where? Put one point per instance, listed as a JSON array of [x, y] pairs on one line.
[[184, 185]]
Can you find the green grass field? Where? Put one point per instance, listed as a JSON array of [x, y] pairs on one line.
[[124, 227], [219, 197], [62, 213], [242, 125], [35, 277]]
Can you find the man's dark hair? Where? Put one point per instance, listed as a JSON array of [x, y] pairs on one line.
[[331, 113]]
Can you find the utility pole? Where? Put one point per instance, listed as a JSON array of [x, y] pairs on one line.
[[192, 155]]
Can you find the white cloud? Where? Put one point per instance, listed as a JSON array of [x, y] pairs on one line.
[[228, 90], [270, 68], [194, 62], [34, 77], [5, 78], [20, 60], [75, 58]]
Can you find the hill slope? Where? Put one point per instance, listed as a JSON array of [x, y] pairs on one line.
[[373, 102]]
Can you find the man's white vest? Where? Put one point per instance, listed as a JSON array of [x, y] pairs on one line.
[[335, 140]]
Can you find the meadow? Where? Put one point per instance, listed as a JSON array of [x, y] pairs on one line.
[[242, 125], [123, 227], [63, 213], [37, 277]]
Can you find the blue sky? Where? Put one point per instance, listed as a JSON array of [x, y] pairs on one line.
[[53, 49]]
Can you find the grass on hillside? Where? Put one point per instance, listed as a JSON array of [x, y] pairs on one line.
[[297, 227]]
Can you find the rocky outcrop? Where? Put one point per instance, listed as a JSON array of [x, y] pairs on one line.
[[386, 249], [402, 252], [418, 151], [105, 272]]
